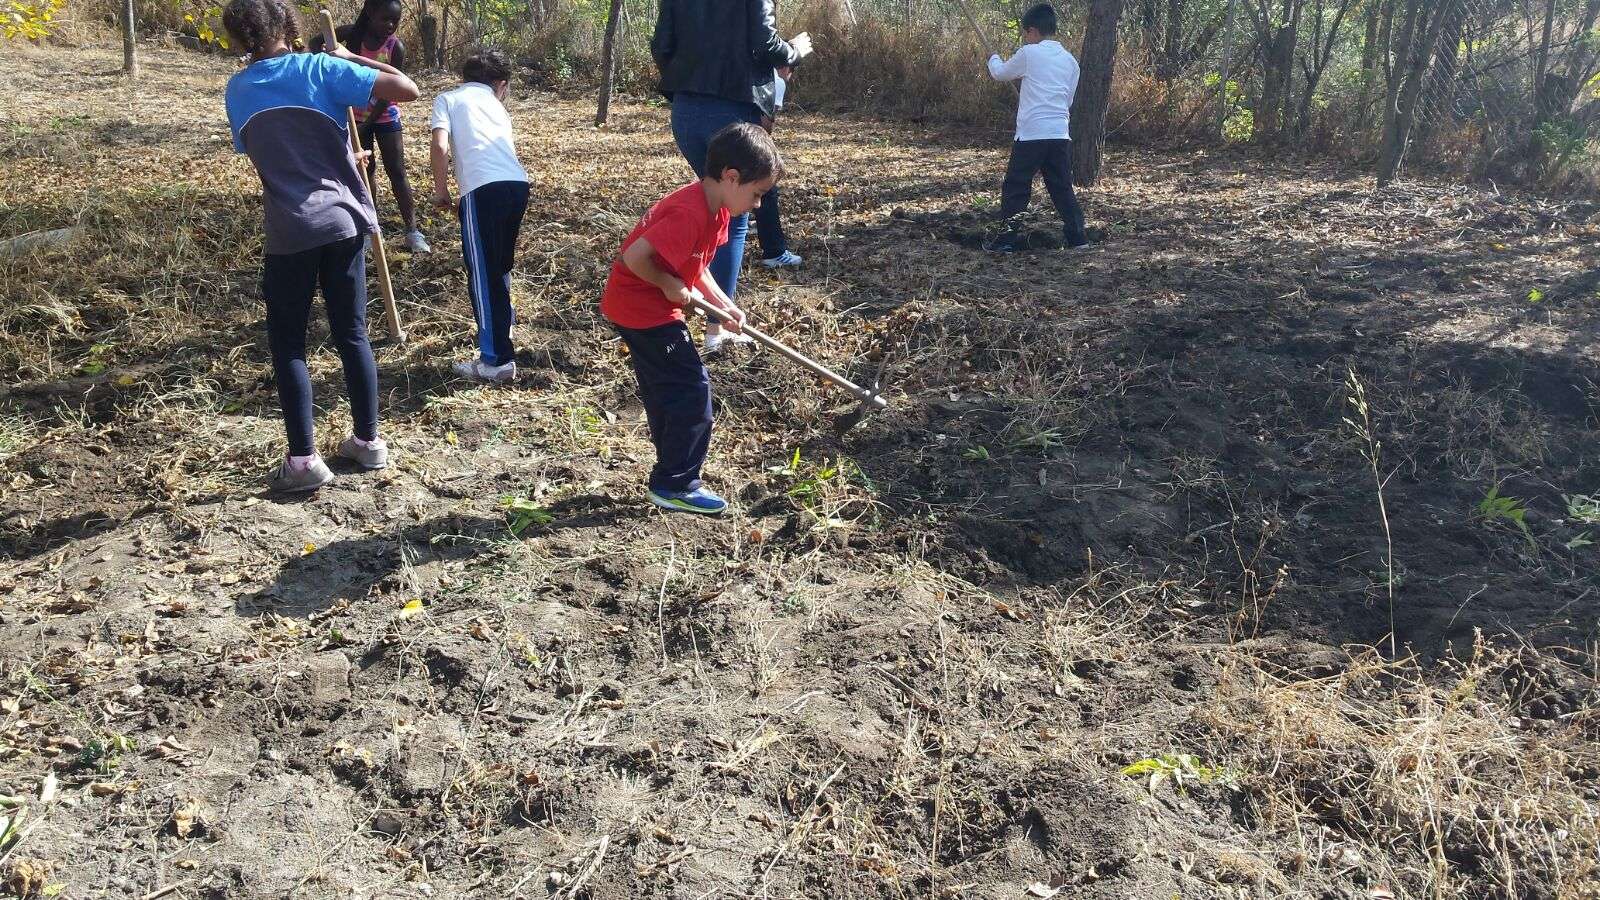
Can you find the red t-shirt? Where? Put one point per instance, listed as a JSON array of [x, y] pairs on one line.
[[685, 235]]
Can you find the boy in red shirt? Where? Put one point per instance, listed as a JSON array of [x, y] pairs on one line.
[[662, 265]]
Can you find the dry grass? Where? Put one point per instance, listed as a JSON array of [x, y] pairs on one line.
[[903, 668]]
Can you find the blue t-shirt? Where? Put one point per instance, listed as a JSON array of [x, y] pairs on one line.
[[288, 114]]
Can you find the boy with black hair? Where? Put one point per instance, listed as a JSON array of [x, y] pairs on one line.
[[662, 267], [1043, 142], [470, 123]]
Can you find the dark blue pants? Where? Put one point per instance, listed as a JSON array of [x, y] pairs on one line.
[[1054, 160], [289, 281], [676, 391], [768, 229], [491, 219], [695, 118]]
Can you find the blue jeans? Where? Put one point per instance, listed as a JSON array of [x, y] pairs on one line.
[[769, 230], [695, 118]]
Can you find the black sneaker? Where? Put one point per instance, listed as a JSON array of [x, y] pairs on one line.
[[1005, 243]]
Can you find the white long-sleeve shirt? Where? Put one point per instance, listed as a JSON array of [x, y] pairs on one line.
[[1049, 80]]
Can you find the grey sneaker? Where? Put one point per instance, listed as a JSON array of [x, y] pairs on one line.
[[416, 243], [477, 371], [375, 456], [298, 481]]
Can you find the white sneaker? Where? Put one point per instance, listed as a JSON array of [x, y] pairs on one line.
[[788, 259], [477, 371], [715, 343], [416, 243]]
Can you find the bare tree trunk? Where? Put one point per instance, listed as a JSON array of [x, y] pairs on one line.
[[1369, 63], [608, 62], [130, 57], [1099, 60], [1394, 73], [1539, 67], [1321, 55], [1417, 55], [1223, 73]]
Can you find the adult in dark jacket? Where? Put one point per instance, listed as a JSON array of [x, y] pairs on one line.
[[718, 62]]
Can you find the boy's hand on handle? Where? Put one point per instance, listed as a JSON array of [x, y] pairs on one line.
[[732, 318], [801, 44], [442, 199]]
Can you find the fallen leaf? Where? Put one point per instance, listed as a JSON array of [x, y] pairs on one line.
[[1381, 892], [47, 790], [1040, 889], [126, 380], [308, 549]]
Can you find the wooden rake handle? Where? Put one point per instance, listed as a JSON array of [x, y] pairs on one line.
[[860, 393], [380, 258]]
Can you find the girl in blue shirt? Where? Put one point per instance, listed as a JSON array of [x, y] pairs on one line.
[[287, 113]]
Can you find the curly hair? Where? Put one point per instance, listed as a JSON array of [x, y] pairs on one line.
[[259, 24]]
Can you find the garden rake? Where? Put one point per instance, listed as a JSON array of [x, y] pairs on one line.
[[871, 397], [379, 257]]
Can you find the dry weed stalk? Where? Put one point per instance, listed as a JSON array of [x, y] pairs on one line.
[[1371, 449]]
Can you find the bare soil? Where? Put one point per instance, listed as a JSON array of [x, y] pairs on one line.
[[1101, 608]]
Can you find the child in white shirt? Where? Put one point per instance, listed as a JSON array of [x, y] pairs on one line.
[[471, 124], [1043, 142]]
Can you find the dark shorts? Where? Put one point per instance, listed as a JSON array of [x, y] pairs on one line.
[[392, 127]]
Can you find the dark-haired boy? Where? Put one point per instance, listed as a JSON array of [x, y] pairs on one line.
[[471, 124], [662, 265], [1043, 142]]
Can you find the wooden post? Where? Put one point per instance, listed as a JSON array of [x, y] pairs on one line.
[[130, 58]]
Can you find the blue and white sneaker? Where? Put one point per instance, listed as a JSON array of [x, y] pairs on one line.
[[786, 260], [700, 500]]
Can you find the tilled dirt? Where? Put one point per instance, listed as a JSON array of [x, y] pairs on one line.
[[1124, 509]]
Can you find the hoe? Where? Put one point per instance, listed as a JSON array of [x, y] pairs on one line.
[[870, 397]]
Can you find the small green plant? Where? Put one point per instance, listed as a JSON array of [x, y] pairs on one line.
[[583, 422], [1494, 507], [790, 467], [95, 363], [104, 754], [12, 813], [1032, 438], [1582, 508], [976, 454], [1562, 139], [522, 513], [1181, 769], [1535, 296]]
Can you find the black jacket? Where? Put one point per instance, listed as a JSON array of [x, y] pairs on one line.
[[724, 48]]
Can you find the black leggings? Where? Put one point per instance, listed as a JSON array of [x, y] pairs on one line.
[[288, 282], [391, 147]]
